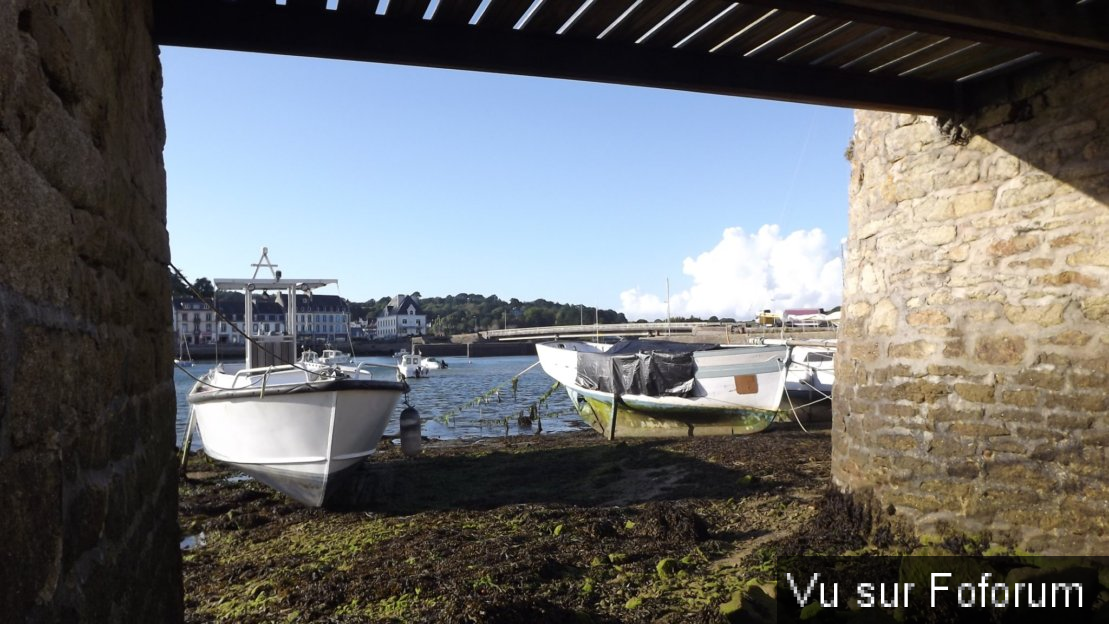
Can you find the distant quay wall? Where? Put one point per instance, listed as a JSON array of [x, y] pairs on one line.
[[231, 352]]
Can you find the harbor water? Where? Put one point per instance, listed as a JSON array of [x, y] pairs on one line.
[[471, 398]]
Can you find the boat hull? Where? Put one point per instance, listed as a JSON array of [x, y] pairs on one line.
[[300, 439], [736, 391], [641, 421]]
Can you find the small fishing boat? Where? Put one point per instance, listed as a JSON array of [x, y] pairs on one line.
[[811, 373], [431, 363], [641, 388], [410, 365], [334, 356], [296, 424]]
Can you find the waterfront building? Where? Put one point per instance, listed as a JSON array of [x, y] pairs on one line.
[[402, 316], [193, 320], [319, 318]]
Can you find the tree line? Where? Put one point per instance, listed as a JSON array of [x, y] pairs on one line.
[[456, 314], [466, 313]]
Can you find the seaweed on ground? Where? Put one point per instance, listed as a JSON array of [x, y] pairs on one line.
[[549, 528]]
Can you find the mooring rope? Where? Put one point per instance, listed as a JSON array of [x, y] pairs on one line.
[[484, 397], [232, 325]]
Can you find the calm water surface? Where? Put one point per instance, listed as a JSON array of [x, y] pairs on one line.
[[444, 399]]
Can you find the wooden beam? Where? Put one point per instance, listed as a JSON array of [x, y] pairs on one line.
[[266, 27], [1053, 27]]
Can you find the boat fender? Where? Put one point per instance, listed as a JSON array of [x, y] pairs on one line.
[[410, 431]]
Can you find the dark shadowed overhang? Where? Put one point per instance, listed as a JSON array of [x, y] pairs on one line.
[[924, 56]]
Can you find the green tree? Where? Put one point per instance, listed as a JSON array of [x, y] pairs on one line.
[[204, 287]]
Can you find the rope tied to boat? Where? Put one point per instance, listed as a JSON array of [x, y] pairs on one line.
[[220, 316], [485, 397]]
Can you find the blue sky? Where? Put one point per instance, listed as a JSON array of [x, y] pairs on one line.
[[400, 179]]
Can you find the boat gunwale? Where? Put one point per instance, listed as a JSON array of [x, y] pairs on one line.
[[329, 385]]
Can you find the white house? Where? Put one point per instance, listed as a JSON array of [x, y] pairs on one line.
[[401, 317]]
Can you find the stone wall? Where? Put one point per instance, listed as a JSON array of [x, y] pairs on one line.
[[973, 374], [87, 484]]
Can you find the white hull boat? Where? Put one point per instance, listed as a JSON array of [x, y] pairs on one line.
[[654, 388], [410, 366], [431, 363], [811, 374], [292, 429], [296, 426], [334, 356]]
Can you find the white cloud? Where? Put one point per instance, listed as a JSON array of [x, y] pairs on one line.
[[746, 273]]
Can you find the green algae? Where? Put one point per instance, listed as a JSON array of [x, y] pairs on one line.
[[525, 537]]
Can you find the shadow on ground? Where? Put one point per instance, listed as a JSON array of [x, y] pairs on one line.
[[607, 475]]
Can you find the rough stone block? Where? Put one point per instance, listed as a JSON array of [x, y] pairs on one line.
[[1020, 398], [1000, 349], [1014, 245], [1096, 308], [1098, 256], [937, 235], [917, 349], [978, 429], [931, 317], [1043, 315], [978, 393]]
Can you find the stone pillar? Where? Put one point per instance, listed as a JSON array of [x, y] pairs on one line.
[[88, 494], [973, 373]]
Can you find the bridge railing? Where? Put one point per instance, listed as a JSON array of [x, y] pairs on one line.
[[607, 329]]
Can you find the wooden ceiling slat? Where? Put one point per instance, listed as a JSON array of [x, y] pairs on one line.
[[455, 11], [1054, 27], [805, 34], [357, 7], [922, 56], [685, 23], [967, 62], [552, 15], [890, 52], [645, 17], [407, 9], [834, 40], [762, 32], [503, 14], [306, 5], [732, 22], [599, 16], [871, 41]]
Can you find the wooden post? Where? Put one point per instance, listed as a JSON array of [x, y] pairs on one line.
[[188, 439], [612, 421]]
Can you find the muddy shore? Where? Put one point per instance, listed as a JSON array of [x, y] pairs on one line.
[[542, 528]]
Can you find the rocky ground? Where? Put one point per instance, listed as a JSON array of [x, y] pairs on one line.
[[544, 528]]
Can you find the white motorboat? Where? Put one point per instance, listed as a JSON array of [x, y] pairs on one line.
[[431, 363], [638, 388], [334, 356], [297, 425], [410, 365], [811, 373]]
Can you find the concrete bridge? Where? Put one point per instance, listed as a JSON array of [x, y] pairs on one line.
[[714, 332], [553, 332]]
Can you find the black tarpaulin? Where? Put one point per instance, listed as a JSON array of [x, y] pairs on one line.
[[647, 367]]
